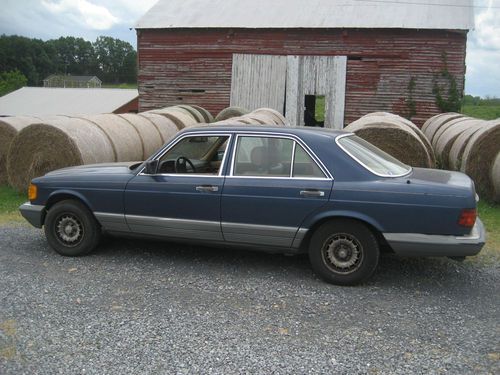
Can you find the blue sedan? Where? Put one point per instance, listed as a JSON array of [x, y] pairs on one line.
[[326, 193]]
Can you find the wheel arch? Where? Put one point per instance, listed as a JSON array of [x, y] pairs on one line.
[[371, 224], [61, 195]]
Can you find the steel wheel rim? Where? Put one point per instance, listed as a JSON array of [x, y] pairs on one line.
[[342, 253], [69, 230]]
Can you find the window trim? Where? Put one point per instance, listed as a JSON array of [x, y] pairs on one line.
[[312, 155], [342, 147], [175, 141]]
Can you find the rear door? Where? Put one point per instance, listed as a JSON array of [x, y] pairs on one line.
[[274, 183]]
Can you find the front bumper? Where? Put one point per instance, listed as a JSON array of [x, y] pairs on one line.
[[414, 244], [35, 214]]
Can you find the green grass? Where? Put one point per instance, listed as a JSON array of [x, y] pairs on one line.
[[490, 216], [320, 108], [119, 86], [485, 112], [10, 201]]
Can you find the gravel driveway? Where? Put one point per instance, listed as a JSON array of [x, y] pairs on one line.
[[136, 307]]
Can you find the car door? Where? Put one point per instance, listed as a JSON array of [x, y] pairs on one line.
[[274, 183], [182, 198]]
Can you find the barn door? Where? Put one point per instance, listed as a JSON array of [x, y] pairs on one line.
[[284, 82], [319, 76], [258, 81]]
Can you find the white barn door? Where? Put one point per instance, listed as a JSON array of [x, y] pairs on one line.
[[258, 81], [282, 83], [319, 76]]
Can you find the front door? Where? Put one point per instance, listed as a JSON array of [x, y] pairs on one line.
[[273, 185], [182, 199]]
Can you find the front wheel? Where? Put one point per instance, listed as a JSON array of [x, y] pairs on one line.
[[71, 229], [344, 252]]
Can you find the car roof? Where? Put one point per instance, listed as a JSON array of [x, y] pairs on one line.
[[238, 128]]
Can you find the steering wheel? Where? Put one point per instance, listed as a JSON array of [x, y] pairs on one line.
[[181, 163]]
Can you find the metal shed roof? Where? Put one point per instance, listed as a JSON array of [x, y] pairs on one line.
[[35, 101], [407, 14]]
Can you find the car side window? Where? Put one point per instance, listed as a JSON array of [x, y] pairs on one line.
[[304, 166], [263, 156], [200, 155]]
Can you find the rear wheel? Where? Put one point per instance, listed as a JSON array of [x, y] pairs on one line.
[[71, 229], [344, 252]]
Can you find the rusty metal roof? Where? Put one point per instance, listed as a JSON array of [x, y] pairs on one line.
[[257, 14]]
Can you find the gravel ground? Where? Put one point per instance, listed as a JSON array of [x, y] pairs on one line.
[[137, 307]]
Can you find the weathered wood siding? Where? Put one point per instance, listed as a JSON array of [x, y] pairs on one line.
[[316, 75], [195, 66], [258, 81]]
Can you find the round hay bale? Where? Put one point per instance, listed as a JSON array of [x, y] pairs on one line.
[[180, 119], [54, 144], [9, 127], [150, 136], [458, 146], [165, 126], [264, 118], [206, 114], [175, 110], [395, 139], [229, 112], [239, 120], [431, 120], [444, 127], [193, 112], [436, 122], [280, 119], [403, 121], [495, 178], [479, 156], [124, 137], [449, 132]]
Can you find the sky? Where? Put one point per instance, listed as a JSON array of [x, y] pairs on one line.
[[50, 19]]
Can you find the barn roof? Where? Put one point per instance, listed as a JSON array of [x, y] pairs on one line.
[[257, 14], [35, 101]]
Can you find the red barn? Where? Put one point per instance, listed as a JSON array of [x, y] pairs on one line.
[[360, 56]]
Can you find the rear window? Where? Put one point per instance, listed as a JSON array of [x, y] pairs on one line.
[[373, 158]]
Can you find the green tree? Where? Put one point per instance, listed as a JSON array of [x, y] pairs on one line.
[[73, 56], [31, 57], [116, 60], [11, 81]]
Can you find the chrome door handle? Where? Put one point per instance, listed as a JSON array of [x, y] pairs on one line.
[[312, 193], [207, 188]]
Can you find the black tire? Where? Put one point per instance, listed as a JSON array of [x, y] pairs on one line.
[[71, 229], [344, 252]]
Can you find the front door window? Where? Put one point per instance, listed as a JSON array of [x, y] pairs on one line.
[[199, 155]]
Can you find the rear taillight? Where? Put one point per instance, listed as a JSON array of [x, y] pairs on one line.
[[467, 218]]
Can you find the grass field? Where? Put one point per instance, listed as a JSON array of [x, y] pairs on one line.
[[489, 213], [119, 86], [486, 109], [481, 111], [10, 201]]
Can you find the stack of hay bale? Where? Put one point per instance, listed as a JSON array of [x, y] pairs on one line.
[[31, 147], [468, 145], [397, 136]]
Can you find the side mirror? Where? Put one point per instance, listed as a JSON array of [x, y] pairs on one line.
[[152, 166]]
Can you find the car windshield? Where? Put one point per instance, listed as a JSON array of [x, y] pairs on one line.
[[373, 158]]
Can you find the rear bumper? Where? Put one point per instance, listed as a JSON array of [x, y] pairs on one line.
[[35, 214], [413, 244]]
